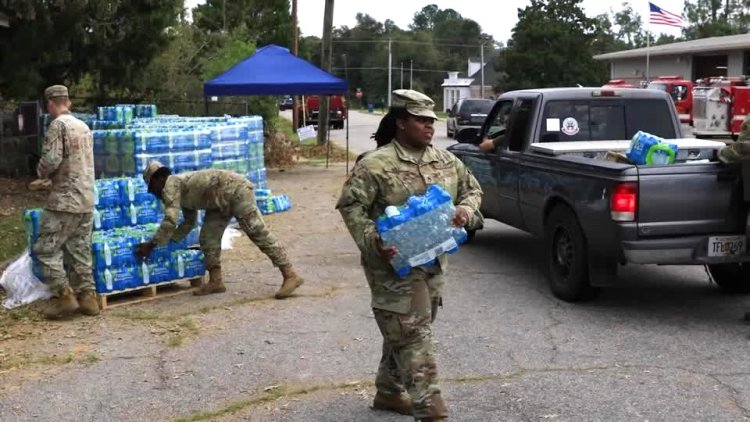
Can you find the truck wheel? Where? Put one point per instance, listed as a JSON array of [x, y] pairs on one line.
[[470, 235], [567, 257], [731, 278]]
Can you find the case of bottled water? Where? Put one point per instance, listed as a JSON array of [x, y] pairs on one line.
[[421, 229]]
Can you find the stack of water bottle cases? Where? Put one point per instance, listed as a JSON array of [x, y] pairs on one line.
[[126, 214]]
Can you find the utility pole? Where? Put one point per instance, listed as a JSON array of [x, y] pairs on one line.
[[481, 90], [295, 51], [411, 72], [325, 103], [390, 64], [402, 75]]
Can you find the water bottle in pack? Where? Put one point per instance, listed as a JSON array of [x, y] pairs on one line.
[[421, 229]]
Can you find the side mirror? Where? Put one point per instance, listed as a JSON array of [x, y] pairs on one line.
[[448, 111], [469, 135]]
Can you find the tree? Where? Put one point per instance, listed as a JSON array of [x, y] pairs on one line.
[[711, 18], [552, 45], [267, 21], [110, 41]]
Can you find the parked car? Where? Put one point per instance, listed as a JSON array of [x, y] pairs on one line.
[[467, 113], [286, 103]]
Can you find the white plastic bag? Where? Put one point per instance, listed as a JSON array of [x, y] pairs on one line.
[[227, 239], [21, 284]]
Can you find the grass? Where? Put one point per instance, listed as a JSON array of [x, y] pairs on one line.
[[13, 240], [139, 315], [285, 126], [185, 327], [317, 153], [24, 360], [23, 313], [269, 394]]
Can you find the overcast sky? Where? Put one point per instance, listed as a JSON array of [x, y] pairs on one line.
[[497, 20]]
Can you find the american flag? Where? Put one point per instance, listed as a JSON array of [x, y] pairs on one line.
[[659, 16]]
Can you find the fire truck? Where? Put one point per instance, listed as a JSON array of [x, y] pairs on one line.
[[681, 91], [308, 115], [618, 83], [719, 107]]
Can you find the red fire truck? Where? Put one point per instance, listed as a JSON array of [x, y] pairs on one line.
[[719, 107], [618, 83], [338, 111], [681, 91]]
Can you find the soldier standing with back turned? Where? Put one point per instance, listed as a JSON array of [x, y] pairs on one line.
[[66, 223]]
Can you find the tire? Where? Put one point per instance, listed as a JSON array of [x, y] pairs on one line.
[[567, 257], [470, 235], [731, 278]]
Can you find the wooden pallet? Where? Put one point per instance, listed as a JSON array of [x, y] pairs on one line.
[[147, 293]]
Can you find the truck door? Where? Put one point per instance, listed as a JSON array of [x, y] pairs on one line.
[[505, 162]]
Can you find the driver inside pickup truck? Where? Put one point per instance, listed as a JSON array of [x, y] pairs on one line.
[[492, 142]]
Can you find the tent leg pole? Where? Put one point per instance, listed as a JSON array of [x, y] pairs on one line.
[[347, 141], [328, 146]]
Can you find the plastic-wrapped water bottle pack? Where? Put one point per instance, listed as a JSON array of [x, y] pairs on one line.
[[421, 229]]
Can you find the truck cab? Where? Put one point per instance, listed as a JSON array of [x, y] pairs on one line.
[[309, 115], [681, 91]]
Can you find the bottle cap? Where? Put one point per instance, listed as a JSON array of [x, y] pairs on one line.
[[392, 211]]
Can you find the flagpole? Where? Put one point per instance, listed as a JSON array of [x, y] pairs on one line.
[[648, 49]]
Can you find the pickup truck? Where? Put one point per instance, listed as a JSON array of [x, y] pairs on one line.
[[548, 176]]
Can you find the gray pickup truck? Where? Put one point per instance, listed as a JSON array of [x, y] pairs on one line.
[[548, 176]]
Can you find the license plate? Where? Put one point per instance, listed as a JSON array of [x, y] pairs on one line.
[[727, 245]]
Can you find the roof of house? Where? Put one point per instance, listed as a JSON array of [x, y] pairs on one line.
[[458, 82], [490, 75], [703, 45]]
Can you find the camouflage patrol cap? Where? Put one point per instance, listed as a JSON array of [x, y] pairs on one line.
[[150, 170], [415, 102], [55, 91]]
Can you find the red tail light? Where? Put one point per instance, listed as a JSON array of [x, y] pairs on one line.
[[624, 202]]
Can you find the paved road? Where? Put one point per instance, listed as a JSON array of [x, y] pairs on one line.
[[362, 125], [664, 345]]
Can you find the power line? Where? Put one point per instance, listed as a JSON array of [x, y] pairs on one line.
[[385, 68], [406, 42]]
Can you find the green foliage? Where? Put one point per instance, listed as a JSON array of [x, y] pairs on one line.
[[553, 44], [232, 48], [110, 40], [711, 18], [267, 21]]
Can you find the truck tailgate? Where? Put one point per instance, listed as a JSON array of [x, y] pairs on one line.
[[689, 199]]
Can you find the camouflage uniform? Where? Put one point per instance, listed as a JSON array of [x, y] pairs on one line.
[[223, 194], [740, 149], [404, 307], [66, 224]]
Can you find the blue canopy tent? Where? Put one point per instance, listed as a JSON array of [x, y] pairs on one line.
[[274, 70]]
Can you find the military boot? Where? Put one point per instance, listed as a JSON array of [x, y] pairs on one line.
[[291, 282], [438, 411], [215, 283], [399, 403], [64, 304], [87, 303]]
